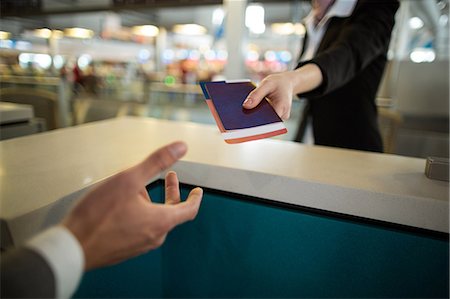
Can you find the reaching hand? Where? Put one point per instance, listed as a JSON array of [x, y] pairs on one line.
[[117, 220]]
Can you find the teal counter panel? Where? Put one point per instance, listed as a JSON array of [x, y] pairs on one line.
[[244, 248], [139, 277], [136, 278]]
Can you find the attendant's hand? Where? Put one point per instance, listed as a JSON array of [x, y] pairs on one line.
[[117, 220], [280, 88]]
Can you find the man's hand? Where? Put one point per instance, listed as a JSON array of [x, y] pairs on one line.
[[117, 220], [280, 88]]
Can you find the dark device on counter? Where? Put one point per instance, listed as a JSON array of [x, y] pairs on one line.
[[437, 168]]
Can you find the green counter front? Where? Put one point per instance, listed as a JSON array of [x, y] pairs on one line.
[[240, 246]]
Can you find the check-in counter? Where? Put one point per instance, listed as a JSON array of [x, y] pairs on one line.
[[278, 219], [18, 120]]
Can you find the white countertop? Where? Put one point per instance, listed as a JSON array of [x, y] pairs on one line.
[[12, 112], [37, 171]]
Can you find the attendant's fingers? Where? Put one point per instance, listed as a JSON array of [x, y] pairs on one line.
[[172, 188], [256, 96], [283, 112], [188, 209], [158, 161]]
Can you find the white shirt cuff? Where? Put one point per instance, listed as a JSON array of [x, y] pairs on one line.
[[65, 256]]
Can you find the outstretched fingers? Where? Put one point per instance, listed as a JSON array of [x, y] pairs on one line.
[[188, 209], [172, 188], [158, 161]]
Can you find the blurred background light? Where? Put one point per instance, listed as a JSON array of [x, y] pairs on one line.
[[57, 34], [422, 55], [169, 80], [168, 55], [285, 56], [43, 60], [6, 43], [144, 55], [189, 29], [254, 18], [84, 60], [25, 58], [252, 55], [181, 54], [222, 55], [299, 29], [145, 30], [194, 55], [58, 61], [78, 32], [42, 33], [210, 55], [4, 35], [217, 17], [270, 56], [415, 23], [283, 28], [23, 45]]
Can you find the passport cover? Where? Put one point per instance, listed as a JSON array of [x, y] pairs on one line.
[[225, 98]]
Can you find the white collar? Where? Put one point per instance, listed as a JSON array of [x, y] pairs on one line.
[[340, 8]]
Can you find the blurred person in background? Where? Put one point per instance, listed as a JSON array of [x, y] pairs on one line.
[[78, 76], [341, 65], [91, 81]]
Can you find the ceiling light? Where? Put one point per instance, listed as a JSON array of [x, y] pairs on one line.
[[43, 33], [4, 35], [282, 28], [145, 30], [78, 32], [57, 34], [299, 29], [47, 33], [189, 29], [254, 18]]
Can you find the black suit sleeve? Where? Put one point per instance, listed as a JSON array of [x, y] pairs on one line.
[[346, 51], [25, 274]]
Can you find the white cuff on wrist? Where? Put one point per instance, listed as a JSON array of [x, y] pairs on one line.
[[65, 256]]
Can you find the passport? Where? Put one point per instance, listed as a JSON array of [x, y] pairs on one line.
[[236, 124]]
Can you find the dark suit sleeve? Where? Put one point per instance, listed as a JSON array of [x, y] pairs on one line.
[[350, 48], [26, 274]]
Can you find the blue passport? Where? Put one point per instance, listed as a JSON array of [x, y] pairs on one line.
[[237, 124]]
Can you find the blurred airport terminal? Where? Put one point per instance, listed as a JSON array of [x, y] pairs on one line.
[[78, 61]]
